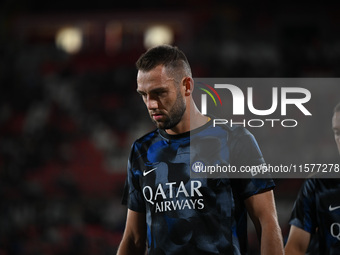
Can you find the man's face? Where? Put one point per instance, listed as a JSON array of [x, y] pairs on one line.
[[162, 96], [336, 128]]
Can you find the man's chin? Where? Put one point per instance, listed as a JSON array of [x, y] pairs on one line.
[[163, 125], [159, 124]]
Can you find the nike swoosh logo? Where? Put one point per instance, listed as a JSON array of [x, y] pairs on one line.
[[145, 173], [333, 208]]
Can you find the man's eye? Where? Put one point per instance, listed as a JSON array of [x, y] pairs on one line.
[[161, 93]]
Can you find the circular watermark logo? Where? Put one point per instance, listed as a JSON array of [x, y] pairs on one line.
[[197, 167]]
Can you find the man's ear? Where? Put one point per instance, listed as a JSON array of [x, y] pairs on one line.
[[188, 84]]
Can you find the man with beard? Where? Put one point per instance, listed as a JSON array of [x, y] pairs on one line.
[[315, 219], [168, 211]]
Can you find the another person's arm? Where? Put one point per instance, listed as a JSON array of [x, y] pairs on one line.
[[303, 220], [262, 211], [134, 237], [298, 241]]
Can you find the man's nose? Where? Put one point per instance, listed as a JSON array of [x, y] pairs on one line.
[[151, 103]]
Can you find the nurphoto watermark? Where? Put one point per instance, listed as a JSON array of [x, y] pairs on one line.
[[264, 128]]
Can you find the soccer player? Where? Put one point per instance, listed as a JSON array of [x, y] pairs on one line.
[[168, 211], [317, 211]]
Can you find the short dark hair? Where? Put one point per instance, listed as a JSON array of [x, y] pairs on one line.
[[337, 108], [167, 55]]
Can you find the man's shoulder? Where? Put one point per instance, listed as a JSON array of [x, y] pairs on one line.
[[147, 137], [233, 130]]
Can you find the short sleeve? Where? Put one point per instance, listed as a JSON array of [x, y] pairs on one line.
[[132, 194], [246, 152]]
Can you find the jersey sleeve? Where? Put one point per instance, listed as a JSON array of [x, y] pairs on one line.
[[304, 213], [132, 194], [246, 152]]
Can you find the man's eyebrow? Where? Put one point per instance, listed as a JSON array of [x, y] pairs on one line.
[[155, 90]]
